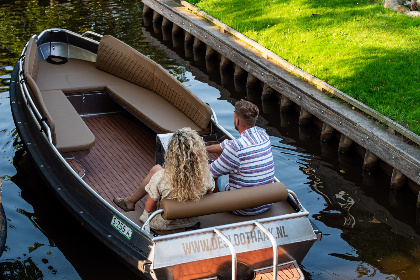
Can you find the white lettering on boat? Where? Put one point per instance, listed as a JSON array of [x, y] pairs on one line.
[[215, 243]]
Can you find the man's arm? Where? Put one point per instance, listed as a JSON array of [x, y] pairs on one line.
[[215, 148]]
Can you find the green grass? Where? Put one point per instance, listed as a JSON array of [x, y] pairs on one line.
[[359, 47]]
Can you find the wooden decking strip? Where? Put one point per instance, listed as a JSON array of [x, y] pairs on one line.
[[122, 155]]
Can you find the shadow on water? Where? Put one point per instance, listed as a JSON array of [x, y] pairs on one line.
[[84, 251], [369, 230]]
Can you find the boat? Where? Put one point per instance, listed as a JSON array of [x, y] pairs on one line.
[[95, 115]]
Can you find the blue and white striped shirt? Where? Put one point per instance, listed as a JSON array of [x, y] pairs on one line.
[[248, 161]]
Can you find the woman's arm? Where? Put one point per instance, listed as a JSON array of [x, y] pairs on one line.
[[150, 205]]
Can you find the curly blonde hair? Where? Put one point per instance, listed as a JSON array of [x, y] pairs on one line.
[[186, 166]]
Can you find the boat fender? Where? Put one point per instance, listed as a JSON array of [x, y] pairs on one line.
[[55, 59]]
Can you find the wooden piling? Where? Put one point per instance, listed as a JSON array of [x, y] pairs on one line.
[[197, 44], [327, 132], [157, 18], [177, 30], [210, 53], [189, 38], [239, 72], [304, 117], [147, 11], [345, 144], [251, 81], [225, 63], [286, 104], [166, 23], [268, 93], [398, 180], [370, 160]]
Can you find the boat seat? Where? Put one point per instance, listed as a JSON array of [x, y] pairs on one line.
[[69, 133], [134, 81], [225, 201], [123, 61]]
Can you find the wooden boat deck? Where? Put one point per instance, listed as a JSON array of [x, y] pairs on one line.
[[122, 156]]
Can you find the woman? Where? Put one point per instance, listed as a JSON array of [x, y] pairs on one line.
[[185, 176]]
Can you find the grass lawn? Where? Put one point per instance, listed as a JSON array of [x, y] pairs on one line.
[[357, 46]]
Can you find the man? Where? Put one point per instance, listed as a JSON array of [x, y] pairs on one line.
[[248, 160]]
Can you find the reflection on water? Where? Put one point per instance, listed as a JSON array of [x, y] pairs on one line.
[[369, 231]]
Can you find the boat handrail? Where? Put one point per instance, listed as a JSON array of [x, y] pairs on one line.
[[28, 99], [301, 208], [146, 225], [232, 251], [213, 113], [93, 34], [275, 250]]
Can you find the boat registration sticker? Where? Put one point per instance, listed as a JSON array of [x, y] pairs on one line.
[[121, 227]]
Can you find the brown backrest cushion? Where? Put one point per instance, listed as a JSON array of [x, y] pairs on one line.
[[184, 100], [30, 66], [39, 103], [225, 201], [123, 61], [119, 59]]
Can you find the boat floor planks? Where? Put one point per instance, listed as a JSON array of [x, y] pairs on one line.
[[122, 156]]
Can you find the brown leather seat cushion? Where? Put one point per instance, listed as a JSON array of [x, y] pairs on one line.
[[40, 104], [225, 201], [72, 134], [119, 59], [30, 66], [151, 108], [75, 76]]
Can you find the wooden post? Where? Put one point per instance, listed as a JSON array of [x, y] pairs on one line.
[[225, 78], [157, 18], [304, 117], [189, 38], [251, 81], [285, 104], [197, 44], [268, 93], [210, 53], [370, 160], [239, 72], [211, 66], [345, 144], [147, 11], [327, 132], [398, 180], [225, 63], [166, 23], [239, 86], [176, 30]]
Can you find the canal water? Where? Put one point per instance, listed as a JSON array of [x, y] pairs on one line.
[[369, 230]]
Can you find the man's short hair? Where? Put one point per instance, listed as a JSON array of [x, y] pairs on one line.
[[247, 112]]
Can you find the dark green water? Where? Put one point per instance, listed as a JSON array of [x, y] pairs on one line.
[[369, 231]]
